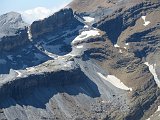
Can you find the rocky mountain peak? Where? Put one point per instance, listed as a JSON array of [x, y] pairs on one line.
[[12, 29], [94, 60], [10, 23]]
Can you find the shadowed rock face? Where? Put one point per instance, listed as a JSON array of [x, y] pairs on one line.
[[73, 69]]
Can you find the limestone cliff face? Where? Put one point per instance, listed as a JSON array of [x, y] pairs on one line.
[[77, 69], [13, 31], [55, 22]]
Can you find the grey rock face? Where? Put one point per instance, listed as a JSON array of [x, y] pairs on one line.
[[13, 31], [68, 69], [53, 23]]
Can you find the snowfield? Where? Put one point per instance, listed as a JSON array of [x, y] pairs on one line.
[[19, 74], [86, 34], [88, 19], [30, 69], [126, 44], [153, 71], [115, 81], [145, 22], [116, 45], [79, 46]]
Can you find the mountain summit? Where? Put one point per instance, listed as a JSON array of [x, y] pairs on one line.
[[92, 60]]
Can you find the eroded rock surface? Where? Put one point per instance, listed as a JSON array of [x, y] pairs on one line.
[[100, 63]]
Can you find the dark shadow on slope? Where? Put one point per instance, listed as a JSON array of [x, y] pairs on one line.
[[37, 90], [113, 28], [59, 41], [20, 58]]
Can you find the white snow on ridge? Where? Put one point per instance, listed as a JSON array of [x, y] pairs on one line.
[[86, 34], [115, 81], [86, 26], [88, 19], [116, 45], [30, 69], [126, 44], [145, 22], [153, 71], [79, 46], [19, 73]]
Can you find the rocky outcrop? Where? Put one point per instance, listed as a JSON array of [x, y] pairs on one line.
[[125, 27], [94, 71], [55, 22], [17, 87], [13, 31]]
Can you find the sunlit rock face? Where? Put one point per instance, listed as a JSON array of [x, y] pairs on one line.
[[53, 23], [12, 31], [94, 59]]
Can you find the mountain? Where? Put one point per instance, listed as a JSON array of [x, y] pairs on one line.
[[92, 60], [12, 31]]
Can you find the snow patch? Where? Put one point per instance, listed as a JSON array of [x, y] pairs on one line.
[[19, 73], [153, 71], [126, 44], [30, 69], [115, 81], [86, 34], [120, 51], [88, 19], [116, 45], [125, 47], [145, 22], [29, 33], [148, 119], [80, 46], [50, 54], [86, 26]]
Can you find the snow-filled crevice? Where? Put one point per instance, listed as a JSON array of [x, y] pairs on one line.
[[29, 34], [86, 34], [153, 71], [145, 22], [114, 81]]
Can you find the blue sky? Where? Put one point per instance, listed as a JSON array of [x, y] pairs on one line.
[[32, 10], [22, 5]]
